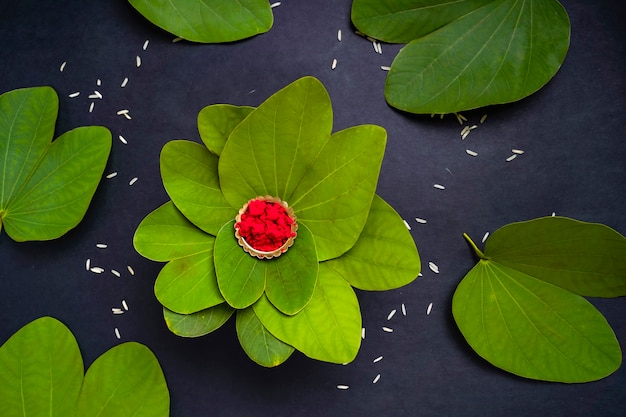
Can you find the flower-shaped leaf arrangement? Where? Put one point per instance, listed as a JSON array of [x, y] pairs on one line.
[[277, 219], [45, 186]]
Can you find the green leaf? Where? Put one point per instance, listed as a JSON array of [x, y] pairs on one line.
[[197, 324], [126, 381], [208, 21], [45, 188], [586, 258], [327, 329], [272, 149], [41, 371], [531, 328], [166, 234], [216, 122], [401, 21], [334, 198], [188, 285], [189, 173], [385, 256], [241, 278], [290, 278], [484, 53], [258, 343]]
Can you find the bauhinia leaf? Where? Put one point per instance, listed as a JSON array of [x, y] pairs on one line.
[[208, 21], [216, 122], [45, 187], [516, 310], [200, 323], [258, 343]]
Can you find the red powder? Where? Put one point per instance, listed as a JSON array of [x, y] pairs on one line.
[[265, 225]]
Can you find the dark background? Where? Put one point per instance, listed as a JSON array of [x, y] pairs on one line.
[[572, 132]]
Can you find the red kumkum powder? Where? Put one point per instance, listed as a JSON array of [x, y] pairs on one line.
[[265, 225]]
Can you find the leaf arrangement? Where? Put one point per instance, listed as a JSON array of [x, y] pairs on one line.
[[208, 21], [45, 186], [347, 235], [41, 373], [466, 54], [522, 308]]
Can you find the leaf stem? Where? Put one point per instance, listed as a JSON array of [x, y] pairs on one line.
[[473, 245]]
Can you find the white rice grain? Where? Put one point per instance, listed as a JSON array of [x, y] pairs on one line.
[[87, 264], [363, 333], [122, 139], [115, 310], [74, 94], [91, 107], [124, 305], [408, 226], [485, 237], [439, 186], [276, 4], [112, 174], [482, 119], [177, 39], [343, 387], [130, 270], [134, 180], [121, 112], [403, 309], [517, 151], [512, 157], [145, 44], [387, 329], [101, 245], [385, 68], [378, 359], [116, 273], [138, 61], [339, 35], [334, 65], [96, 94], [124, 82], [96, 270], [376, 379], [391, 314], [98, 82], [62, 66], [420, 220], [117, 333], [429, 309], [471, 153], [433, 267]]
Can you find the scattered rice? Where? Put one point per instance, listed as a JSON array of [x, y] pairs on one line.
[[121, 112], [276, 4], [439, 186], [378, 359], [403, 309], [482, 119], [101, 245], [145, 44], [62, 66], [111, 175], [391, 314], [91, 107], [122, 139], [116, 273], [512, 157], [74, 94], [117, 333], [343, 386], [96, 94], [134, 180], [363, 333], [460, 118], [115, 310], [429, 309], [385, 68], [138, 61], [177, 39], [98, 82], [471, 153], [124, 82], [87, 264], [387, 329], [96, 269], [517, 151], [334, 65], [485, 237], [124, 305], [130, 270], [420, 220], [376, 379], [433, 267], [339, 35], [408, 226]]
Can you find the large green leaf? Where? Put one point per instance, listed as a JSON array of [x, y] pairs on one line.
[[273, 148], [189, 173], [290, 278], [41, 371], [401, 21], [200, 323], [486, 52], [259, 344], [45, 187], [327, 329], [516, 310], [208, 21], [166, 234], [126, 381], [531, 328], [384, 257], [586, 258], [240, 277], [216, 122], [334, 198]]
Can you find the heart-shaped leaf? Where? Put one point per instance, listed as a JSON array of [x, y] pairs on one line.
[[258, 343], [189, 173], [328, 328], [208, 21], [216, 122], [45, 187], [125, 381], [484, 53], [41, 371], [200, 323], [384, 257], [515, 309]]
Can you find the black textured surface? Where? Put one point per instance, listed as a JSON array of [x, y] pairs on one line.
[[572, 132]]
